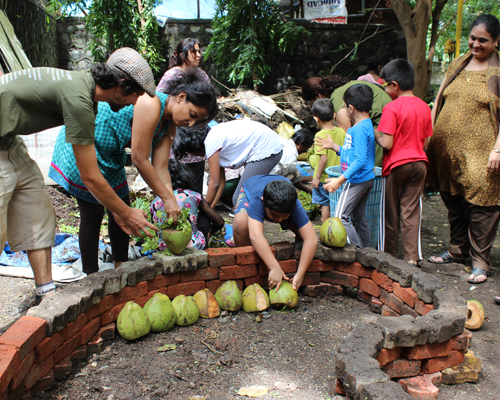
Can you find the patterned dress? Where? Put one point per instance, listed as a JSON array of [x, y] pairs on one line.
[[185, 199], [113, 133]]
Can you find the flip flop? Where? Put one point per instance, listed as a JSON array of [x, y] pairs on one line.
[[478, 272], [497, 299], [446, 258]]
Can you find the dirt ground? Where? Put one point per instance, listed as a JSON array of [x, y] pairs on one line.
[[290, 353]]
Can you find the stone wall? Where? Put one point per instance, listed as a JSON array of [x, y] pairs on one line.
[[35, 29], [73, 44]]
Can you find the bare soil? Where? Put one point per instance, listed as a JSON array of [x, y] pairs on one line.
[[290, 352]]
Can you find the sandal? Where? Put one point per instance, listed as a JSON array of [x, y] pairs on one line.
[[497, 299], [477, 272], [446, 258]]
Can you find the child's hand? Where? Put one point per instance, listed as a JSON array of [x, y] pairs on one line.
[[275, 277], [332, 184], [324, 143], [297, 281], [315, 183]]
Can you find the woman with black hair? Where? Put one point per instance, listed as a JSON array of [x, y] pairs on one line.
[[148, 127]]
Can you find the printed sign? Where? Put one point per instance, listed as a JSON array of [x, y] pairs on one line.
[[326, 11]]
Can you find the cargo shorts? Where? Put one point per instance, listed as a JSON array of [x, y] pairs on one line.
[[27, 216]]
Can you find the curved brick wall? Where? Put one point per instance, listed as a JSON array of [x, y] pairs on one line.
[[426, 336]]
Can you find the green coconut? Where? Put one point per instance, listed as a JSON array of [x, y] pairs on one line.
[[186, 310], [333, 233], [475, 315], [255, 299], [229, 297], [160, 313], [176, 240], [207, 304], [132, 322], [285, 296]]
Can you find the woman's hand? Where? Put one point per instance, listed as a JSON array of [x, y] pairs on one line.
[[275, 277], [324, 143], [493, 165], [172, 209]]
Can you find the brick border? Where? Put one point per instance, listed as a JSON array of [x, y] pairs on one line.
[[427, 336]]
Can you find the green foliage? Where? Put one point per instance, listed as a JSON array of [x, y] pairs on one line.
[[248, 36], [217, 240], [183, 224], [118, 23], [73, 230]]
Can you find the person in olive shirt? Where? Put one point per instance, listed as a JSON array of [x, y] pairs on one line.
[[35, 99]]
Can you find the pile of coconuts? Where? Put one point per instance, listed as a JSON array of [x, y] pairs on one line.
[[160, 314]]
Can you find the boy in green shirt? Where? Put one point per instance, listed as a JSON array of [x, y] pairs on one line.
[[322, 111]]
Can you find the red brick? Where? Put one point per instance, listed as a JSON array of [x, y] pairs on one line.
[[37, 371], [237, 272], [141, 301], [284, 250], [63, 369], [97, 309], [439, 363], [370, 287], [364, 297], [10, 361], [21, 372], [429, 350], [25, 334], [246, 255], [187, 289], [131, 292], [90, 330], [461, 342], [202, 274], [408, 295], [388, 355], [339, 388], [376, 305], [389, 299], [389, 312], [288, 266], [76, 326], [79, 355], [221, 257], [383, 280], [214, 285], [48, 346], [340, 278], [354, 268], [310, 278], [108, 332], [402, 368], [261, 280], [67, 348], [321, 266], [423, 308], [163, 281], [111, 315], [44, 383], [95, 345], [321, 290], [422, 387]]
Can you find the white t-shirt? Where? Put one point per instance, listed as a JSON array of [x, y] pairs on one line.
[[241, 142], [289, 156]]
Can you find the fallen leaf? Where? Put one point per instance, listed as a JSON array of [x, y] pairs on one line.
[[167, 347], [253, 391]]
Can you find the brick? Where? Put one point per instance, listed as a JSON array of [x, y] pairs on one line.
[[339, 388], [422, 387], [321, 290], [130, 293], [376, 305], [468, 371], [370, 287], [95, 345], [284, 250], [461, 342], [321, 266], [215, 284], [23, 370], [76, 326], [408, 295], [237, 272], [63, 369], [44, 383], [288, 266], [407, 310], [389, 312], [429, 350], [261, 280], [310, 278], [67, 348], [111, 315], [48, 346], [141, 301], [10, 361], [246, 255], [104, 305], [37, 371], [439, 363], [221, 257], [390, 300], [339, 278], [202, 274], [354, 268], [423, 308], [383, 280], [79, 355], [163, 281], [388, 355], [108, 332], [25, 334], [402, 368], [187, 289], [364, 297]]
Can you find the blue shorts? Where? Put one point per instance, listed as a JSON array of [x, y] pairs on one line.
[[241, 203], [321, 196]]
